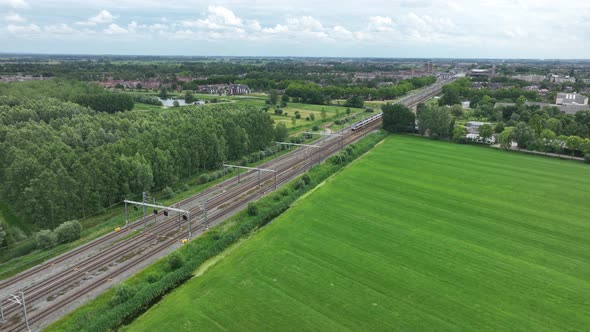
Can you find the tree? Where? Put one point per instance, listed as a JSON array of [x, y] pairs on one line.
[[312, 116], [163, 93], [536, 122], [189, 97], [499, 127], [285, 98], [281, 132], [293, 121], [355, 101], [45, 239], [573, 144], [397, 118], [457, 111], [273, 97], [547, 140], [523, 135], [434, 121], [323, 114], [587, 158], [459, 133], [175, 103], [505, 139], [68, 231], [485, 131], [2, 234]]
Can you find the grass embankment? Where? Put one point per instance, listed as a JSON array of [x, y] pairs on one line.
[[417, 235], [145, 288]]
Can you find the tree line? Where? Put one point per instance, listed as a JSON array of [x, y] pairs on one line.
[[61, 161], [312, 93]]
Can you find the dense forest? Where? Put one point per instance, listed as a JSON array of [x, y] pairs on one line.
[[61, 161], [86, 94]]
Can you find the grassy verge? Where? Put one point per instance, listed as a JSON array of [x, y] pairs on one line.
[[108, 311]]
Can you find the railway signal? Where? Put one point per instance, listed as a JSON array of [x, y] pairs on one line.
[[166, 209]]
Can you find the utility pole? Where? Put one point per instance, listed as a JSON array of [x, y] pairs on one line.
[[19, 300]]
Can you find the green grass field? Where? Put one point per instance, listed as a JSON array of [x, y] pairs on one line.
[[417, 235]]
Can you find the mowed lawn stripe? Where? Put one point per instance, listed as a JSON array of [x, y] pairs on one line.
[[417, 235]]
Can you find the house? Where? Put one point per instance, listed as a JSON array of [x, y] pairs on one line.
[[561, 79], [570, 99]]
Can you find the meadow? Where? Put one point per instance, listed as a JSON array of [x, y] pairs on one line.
[[417, 235]]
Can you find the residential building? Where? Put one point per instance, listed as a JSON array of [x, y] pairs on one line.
[[571, 99], [561, 79]]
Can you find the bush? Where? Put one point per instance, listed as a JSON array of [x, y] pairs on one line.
[[299, 184], [252, 209], [204, 178], [152, 277], [306, 179], [168, 192], [122, 294], [45, 239], [184, 187], [174, 261], [68, 231], [587, 158]]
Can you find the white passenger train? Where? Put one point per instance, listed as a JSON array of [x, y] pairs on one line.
[[366, 122]]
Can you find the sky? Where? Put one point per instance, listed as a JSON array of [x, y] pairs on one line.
[[535, 29]]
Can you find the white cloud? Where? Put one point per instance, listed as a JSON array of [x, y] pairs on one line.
[[218, 18], [115, 29], [15, 18], [103, 17], [381, 24], [23, 29], [60, 29], [17, 4]]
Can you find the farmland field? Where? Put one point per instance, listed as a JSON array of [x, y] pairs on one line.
[[417, 235]]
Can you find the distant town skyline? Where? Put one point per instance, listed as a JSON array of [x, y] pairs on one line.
[[533, 29]]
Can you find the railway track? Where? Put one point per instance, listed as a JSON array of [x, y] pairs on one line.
[[106, 263]]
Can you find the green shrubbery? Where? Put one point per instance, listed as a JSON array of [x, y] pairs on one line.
[[102, 315], [68, 231]]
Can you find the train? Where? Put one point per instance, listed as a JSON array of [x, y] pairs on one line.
[[366, 121]]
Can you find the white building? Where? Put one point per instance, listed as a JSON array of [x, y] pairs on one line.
[[570, 99]]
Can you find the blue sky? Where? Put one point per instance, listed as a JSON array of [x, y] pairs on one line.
[[371, 28]]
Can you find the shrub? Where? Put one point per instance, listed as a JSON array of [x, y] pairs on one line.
[[68, 231], [299, 184], [587, 158], [252, 209], [306, 179], [204, 178], [184, 187], [122, 294], [45, 239], [174, 261], [152, 277], [168, 192]]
